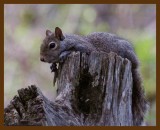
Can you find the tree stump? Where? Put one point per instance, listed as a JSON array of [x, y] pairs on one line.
[[92, 90]]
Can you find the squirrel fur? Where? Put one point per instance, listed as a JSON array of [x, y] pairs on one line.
[[56, 47]]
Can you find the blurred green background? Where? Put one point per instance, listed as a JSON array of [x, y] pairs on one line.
[[24, 29]]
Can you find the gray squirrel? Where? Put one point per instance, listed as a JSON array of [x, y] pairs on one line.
[[56, 47]]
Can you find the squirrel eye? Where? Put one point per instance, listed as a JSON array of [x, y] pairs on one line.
[[52, 45]]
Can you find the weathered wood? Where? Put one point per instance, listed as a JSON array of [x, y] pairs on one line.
[[93, 90]]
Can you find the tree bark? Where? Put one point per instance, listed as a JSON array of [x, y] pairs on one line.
[[93, 90]]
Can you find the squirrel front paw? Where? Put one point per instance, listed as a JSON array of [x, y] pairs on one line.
[[63, 56], [53, 67]]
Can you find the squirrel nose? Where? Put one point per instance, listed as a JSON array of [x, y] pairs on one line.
[[42, 59]]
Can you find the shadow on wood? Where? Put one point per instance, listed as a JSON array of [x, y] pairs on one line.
[[93, 90]]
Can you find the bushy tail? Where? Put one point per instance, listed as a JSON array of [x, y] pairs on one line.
[[139, 103]]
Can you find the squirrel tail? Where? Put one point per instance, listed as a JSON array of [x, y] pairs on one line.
[[139, 103]]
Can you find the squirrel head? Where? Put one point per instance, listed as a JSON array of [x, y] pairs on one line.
[[50, 48]]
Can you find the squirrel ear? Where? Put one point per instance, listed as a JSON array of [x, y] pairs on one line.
[[48, 33], [59, 34]]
